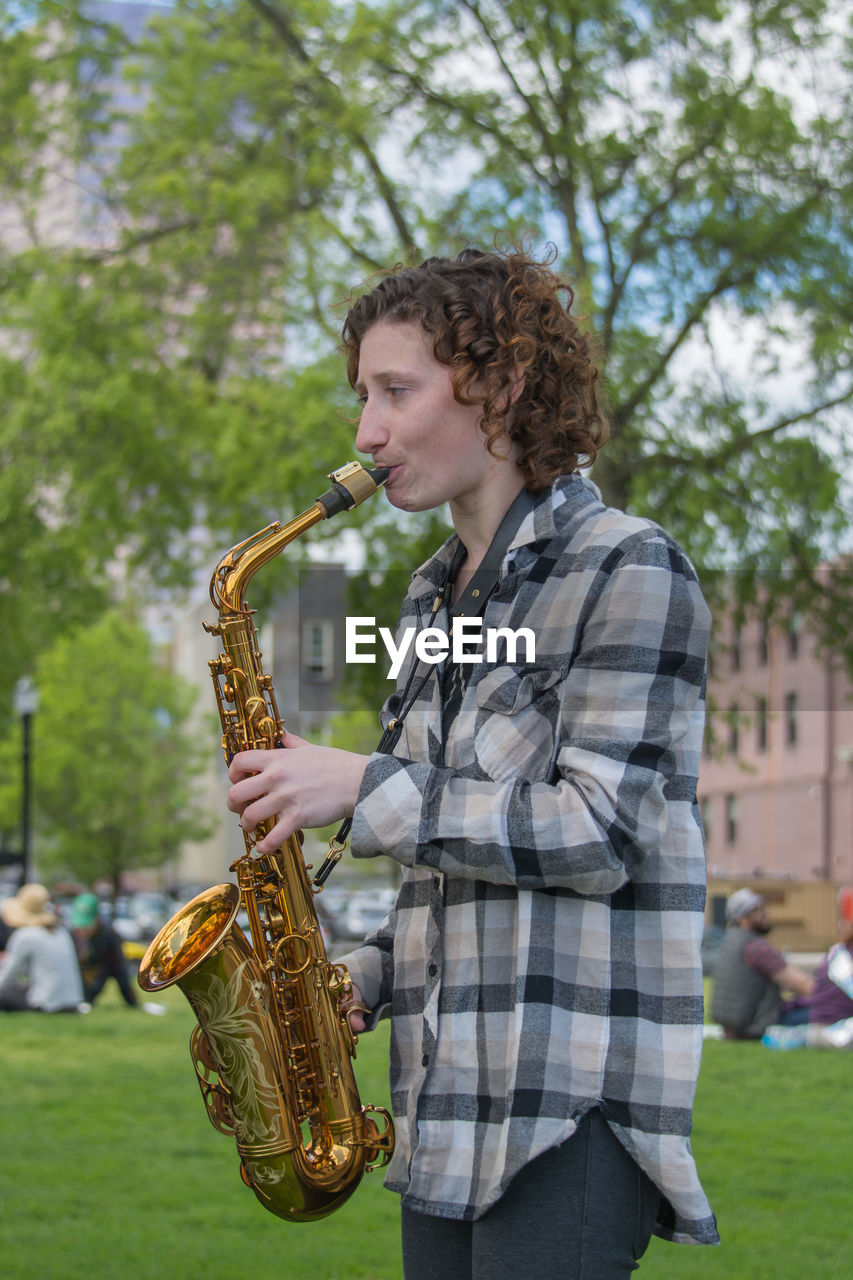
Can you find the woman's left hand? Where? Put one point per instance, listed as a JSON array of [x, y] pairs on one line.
[[302, 786]]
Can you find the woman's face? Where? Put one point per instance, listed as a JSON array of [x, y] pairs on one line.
[[411, 422]]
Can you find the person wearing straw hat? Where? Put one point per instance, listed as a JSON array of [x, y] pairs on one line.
[[41, 952]]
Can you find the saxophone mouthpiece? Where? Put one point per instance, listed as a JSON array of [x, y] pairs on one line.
[[351, 484]]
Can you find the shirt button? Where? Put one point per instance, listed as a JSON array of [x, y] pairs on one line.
[[425, 1060], [433, 970]]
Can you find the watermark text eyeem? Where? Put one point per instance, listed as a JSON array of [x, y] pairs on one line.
[[433, 645]]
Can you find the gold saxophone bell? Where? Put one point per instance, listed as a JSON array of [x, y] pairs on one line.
[[273, 1048]]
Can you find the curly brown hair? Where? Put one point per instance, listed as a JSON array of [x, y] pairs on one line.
[[493, 316]]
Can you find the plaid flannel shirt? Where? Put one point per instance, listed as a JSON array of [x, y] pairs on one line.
[[542, 957]]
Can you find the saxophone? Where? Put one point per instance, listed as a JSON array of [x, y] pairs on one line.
[[273, 1049]]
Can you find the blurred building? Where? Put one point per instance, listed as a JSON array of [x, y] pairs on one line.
[[71, 209], [95, 221], [776, 782]]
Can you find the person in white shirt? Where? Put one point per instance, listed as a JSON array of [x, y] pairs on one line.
[[39, 969]]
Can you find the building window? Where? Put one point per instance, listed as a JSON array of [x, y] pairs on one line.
[[736, 649], [761, 724], [791, 719], [733, 718], [764, 644], [731, 819], [794, 627], [318, 649]]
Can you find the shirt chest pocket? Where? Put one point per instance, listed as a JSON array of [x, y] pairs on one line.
[[517, 716]]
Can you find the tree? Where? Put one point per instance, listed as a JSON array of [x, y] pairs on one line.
[[143, 372], [114, 759], [693, 163], [690, 159]]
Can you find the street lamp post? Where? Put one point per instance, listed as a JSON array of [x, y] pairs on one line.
[[26, 704]]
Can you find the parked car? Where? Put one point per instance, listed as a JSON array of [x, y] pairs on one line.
[[137, 917], [366, 910]]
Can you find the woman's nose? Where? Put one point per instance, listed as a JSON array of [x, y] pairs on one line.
[[371, 433]]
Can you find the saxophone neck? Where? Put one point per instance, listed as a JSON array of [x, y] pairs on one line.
[[351, 485], [239, 565]]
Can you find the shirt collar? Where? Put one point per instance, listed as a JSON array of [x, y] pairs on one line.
[[554, 509]]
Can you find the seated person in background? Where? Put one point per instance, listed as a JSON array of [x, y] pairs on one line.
[[832, 999], [39, 968], [7, 913], [6, 927], [99, 951], [750, 975]]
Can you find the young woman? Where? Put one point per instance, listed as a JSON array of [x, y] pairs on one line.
[[541, 964]]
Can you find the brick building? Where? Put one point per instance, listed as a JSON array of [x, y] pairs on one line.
[[776, 782]]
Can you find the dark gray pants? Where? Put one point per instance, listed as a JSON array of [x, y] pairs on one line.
[[582, 1211]]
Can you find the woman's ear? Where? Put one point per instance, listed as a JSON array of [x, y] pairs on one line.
[[516, 386]]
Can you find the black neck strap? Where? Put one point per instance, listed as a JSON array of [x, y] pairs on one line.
[[485, 577]]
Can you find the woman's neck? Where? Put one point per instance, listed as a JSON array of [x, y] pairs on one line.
[[477, 520]]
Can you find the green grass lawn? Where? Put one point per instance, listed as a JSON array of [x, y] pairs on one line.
[[110, 1169]]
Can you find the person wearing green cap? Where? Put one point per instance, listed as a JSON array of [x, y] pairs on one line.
[[99, 952]]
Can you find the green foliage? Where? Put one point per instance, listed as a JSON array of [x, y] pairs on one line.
[[692, 163], [113, 756]]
